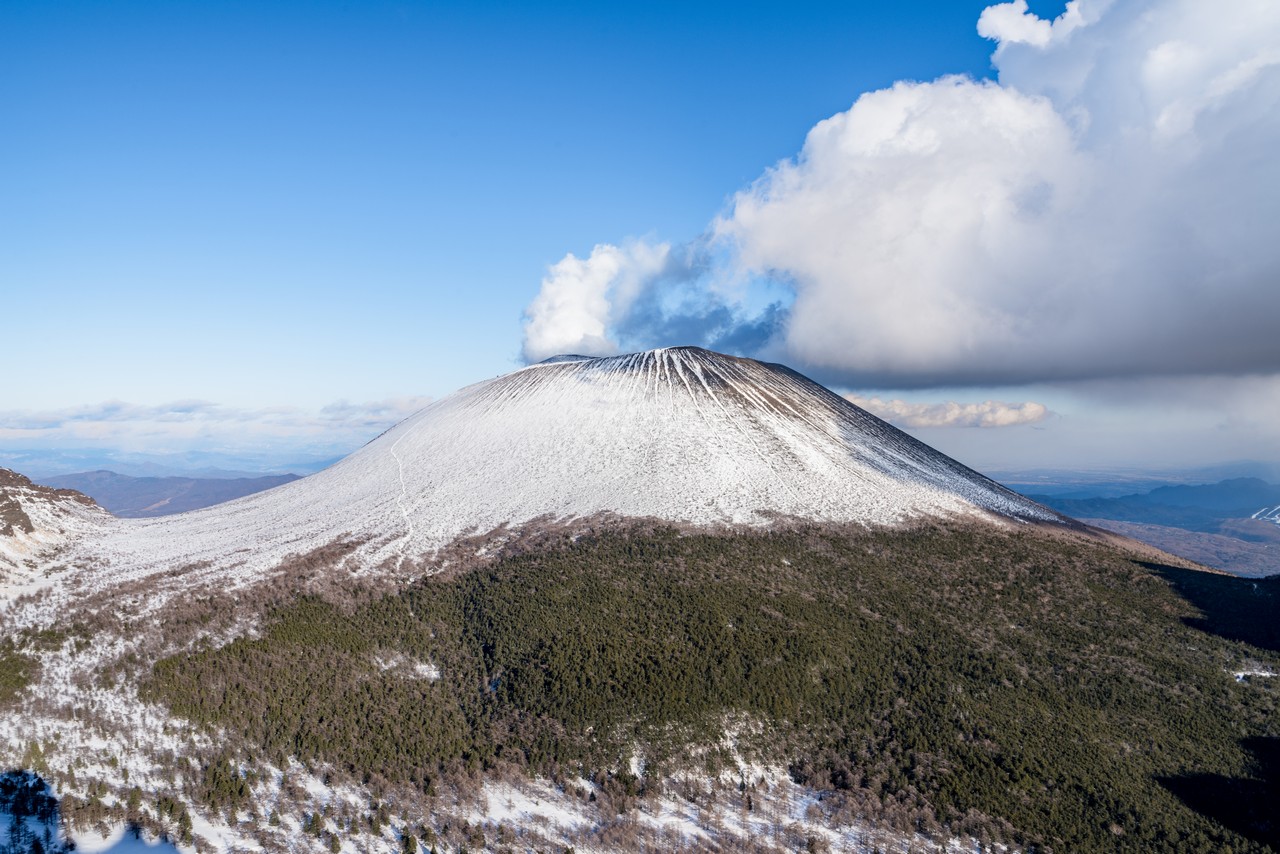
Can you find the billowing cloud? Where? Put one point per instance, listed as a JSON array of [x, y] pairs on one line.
[[642, 295], [1104, 209], [583, 298], [989, 413], [1014, 23]]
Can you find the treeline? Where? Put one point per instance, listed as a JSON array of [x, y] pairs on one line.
[[1008, 686]]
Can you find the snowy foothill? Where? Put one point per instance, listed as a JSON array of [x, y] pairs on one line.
[[745, 805], [1268, 514], [36, 526]]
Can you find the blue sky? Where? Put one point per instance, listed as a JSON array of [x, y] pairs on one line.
[[276, 226]]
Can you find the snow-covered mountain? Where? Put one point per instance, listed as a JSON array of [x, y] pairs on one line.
[[680, 434]]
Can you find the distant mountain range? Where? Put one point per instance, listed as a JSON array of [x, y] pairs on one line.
[[1233, 524], [43, 463], [1196, 508], [143, 497], [1118, 483]]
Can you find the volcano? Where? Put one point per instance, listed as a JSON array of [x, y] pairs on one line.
[[680, 434]]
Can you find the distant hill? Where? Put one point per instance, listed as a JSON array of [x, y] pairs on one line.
[[143, 497], [1114, 482]]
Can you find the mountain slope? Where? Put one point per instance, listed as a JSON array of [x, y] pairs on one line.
[[683, 434]]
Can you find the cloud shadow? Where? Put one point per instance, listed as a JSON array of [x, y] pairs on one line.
[[1238, 609], [31, 821], [1246, 805]]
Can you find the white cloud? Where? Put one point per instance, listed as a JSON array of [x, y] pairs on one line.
[[990, 413], [894, 202], [1011, 23], [581, 298], [1105, 209], [643, 295]]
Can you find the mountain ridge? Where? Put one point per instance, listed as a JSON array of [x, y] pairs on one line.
[[1233, 524], [130, 497]]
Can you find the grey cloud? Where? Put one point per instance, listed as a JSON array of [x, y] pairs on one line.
[[701, 318]]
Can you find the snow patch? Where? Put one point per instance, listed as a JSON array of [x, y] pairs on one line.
[[1246, 675]]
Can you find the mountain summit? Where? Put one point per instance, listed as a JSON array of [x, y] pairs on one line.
[[679, 434]]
